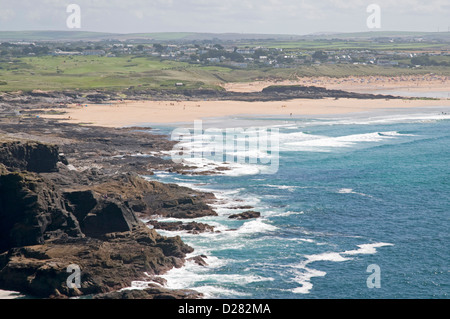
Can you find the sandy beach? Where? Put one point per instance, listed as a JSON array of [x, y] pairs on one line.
[[422, 83], [129, 113]]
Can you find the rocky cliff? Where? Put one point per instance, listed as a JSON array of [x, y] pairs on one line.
[[30, 156], [32, 210], [46, 226]]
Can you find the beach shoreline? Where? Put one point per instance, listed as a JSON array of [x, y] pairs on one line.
[[135, 113], [122, 113]]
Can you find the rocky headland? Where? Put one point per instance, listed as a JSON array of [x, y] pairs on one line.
[[73, 194], [58, 99]]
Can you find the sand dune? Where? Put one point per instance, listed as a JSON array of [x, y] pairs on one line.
[[356, 84]]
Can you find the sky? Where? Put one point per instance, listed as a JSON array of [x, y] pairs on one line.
[[226, 16]]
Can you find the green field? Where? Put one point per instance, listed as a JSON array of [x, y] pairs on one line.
[[86, 72], [118, 73], [330, 45]]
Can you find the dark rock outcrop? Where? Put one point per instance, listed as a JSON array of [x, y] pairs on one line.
[[98, 215], [152, 292], [32, 210], [30, 156], [44, 229], [151, 198], [106, 265], [199, 260], [192, 227], [285, 92], [245, 215]]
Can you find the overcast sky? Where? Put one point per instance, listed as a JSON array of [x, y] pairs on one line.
[[222, 16]]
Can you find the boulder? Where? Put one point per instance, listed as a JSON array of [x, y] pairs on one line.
[[245, 215], [199, 260], [152, 292], [192, 227]]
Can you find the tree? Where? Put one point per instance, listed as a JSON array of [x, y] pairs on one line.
[[158, 47], [320, 55], [258, 53]]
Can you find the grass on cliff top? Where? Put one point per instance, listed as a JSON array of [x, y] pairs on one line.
[[118, 73]]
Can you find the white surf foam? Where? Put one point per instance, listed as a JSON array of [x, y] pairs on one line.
[[318, 143], [6, 294], [305, 280], [281, 214], [290, 188], [388, 119], [211, 292], [351, 191], [304, 273], [191, 276], [256, 226], [366, 249]]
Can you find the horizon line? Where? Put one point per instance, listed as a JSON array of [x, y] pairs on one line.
[[243, 33]]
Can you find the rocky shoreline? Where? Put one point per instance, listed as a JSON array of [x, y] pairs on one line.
[[53, 218], [55, 99], [73, 195]]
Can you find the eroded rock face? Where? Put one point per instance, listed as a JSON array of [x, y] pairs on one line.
[[151, 198], [45, 229], [32, 211], [30, 156], [106, 265]]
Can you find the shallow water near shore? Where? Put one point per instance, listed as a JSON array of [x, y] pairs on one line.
[[350, 192]]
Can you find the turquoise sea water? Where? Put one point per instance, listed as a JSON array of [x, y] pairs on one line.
[[350, 192]]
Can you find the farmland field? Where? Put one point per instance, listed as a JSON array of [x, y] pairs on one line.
[[117, 73]]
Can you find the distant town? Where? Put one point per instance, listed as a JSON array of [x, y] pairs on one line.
[[234, 56]]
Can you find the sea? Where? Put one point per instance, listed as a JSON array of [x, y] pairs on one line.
[[358, 208]]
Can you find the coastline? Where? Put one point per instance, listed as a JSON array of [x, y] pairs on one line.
[[306, 271], [68, 165], [130, 113]]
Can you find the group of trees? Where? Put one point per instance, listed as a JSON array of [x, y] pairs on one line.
[[425, 60], [7, 48], [320, 56]]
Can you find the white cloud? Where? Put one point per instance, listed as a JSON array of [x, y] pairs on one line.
[[262, 16], [6, 15]]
